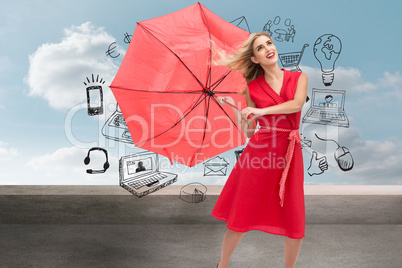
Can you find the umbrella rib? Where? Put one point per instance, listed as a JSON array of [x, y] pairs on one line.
[[178, 121], [177, 56], [225, 92], [173, 92], [227, 115], [209, 76], [205, 126], [219, 81]]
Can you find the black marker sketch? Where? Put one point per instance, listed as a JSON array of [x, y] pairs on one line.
[[106, 165], [327, 108], [305, 143], [139, 174], [267, 27], [241, 22], [193, 192], [317, 165], [342, 156], [216, 166], [238, 153], [292, 59], [127, 38], [95, 96], [280, 33], [140, 167], [115, 128], [111, 49], [327, 49], [291, 34]]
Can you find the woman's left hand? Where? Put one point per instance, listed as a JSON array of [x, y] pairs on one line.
[[255, 112]]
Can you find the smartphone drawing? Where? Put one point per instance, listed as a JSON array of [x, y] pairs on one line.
[[95, 100]]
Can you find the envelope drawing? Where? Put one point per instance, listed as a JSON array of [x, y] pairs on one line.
[[305, 143], [216, 166]]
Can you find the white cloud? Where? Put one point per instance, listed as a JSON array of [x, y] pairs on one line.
[[349, 79], [393, 81], [7, 153], [377, 162], [57, 70], [66, 166], [352, 80]]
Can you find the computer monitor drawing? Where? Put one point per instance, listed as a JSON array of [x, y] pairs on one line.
[[327, 108], [140, 175], [140, 167], [115, 128]]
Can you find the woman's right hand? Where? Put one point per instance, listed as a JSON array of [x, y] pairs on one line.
[[225, 100]]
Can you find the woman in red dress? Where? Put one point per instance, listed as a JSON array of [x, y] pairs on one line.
[[265, 189]]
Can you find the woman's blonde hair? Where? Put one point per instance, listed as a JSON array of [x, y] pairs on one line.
[[241, 59]]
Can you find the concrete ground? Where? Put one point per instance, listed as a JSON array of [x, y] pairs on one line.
[[105, 226]]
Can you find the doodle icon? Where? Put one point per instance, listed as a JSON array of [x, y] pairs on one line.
[[241, 22], [127, 38], [292, 59], [95, 96], [305, 143], [115, 128], [327, 49], [317, 165], [278, 32], [193, 192], [140, 174], [216, 166], [327, 108], [87, 159], [342, 156], [111, 49]]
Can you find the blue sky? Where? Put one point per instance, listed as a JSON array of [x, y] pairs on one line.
[[48, 48]]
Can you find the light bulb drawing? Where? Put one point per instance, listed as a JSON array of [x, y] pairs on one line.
[[327, 49]]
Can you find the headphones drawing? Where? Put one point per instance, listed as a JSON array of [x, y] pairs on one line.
[[105, 165]]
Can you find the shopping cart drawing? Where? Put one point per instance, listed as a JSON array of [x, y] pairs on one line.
[[292, 59]]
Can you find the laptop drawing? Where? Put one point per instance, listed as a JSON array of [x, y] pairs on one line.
[[116, 128], [139, 174], [327, 108]]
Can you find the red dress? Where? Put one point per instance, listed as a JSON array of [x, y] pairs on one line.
[[250, 199]]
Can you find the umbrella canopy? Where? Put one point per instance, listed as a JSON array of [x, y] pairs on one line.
[[167, 85]]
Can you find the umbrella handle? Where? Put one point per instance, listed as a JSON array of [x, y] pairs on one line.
[[248, 117]]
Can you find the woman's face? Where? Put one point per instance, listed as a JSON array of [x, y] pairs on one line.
[[264, 51]]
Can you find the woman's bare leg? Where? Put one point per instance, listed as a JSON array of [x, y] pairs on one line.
[[230, 242], [292, 249]]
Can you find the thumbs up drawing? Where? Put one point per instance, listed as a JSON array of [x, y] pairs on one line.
[[317, 165]]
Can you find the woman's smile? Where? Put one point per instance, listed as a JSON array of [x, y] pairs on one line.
[[270, 55]]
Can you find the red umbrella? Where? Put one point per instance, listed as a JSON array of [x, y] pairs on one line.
[[167, 85]]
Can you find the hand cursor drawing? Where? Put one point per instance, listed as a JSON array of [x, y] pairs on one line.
[[317, 165]]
